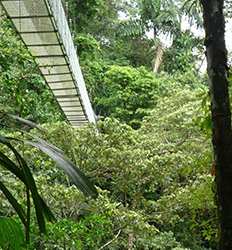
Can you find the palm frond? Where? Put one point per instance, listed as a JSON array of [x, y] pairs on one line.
[[131, 28], [77, 177], [14, 203], [21, 170], [193, 11]]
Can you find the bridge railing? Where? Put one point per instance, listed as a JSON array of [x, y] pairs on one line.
[[66, 37]]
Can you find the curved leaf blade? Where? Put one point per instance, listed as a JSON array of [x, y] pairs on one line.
[[26, 176], [25, 122], [30, 183], [78, 178], [14, 203]]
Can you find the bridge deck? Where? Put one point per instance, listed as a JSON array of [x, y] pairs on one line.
[[43, 28]]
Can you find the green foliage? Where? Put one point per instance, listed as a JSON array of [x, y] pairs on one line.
[[193, 10], [154, 182], [152, 15], [19, 168], [94, 72], [104, 223], [127, 93], [173, 119], [83, 12], [133, 51], [11, 234], [124, 93], [131, 28], [86, 234], [190, 210], [160, 172], [160, 16], [87, 46], [25, 92], [180, 56], [117, 47], [203, 119], [157, 179]]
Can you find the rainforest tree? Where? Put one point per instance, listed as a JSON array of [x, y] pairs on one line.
[[216, 54]]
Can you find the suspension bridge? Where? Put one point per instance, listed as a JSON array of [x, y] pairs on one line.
[[43, 27]]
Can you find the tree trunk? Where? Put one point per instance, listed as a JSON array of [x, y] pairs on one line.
[[131, 239], [158, 58], [216, 54]]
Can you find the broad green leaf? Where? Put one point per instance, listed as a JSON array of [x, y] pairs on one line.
[[11, 234]]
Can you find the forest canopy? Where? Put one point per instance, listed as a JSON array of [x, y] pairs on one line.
[[149, 156]]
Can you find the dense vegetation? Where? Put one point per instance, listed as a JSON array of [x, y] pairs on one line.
[[150, 156], [23, 88]]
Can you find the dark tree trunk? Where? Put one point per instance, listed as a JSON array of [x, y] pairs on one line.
[[216, 54]]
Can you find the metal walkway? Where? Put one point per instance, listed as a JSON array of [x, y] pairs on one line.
[[43, 28]]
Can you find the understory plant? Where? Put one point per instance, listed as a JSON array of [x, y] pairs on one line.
[[12, 161]]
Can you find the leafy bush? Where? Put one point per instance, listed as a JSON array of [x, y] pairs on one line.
[[160, 172], [124, 93], [15, 164], [105, 223], [184, 53], [87, 46], [189, 211]]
